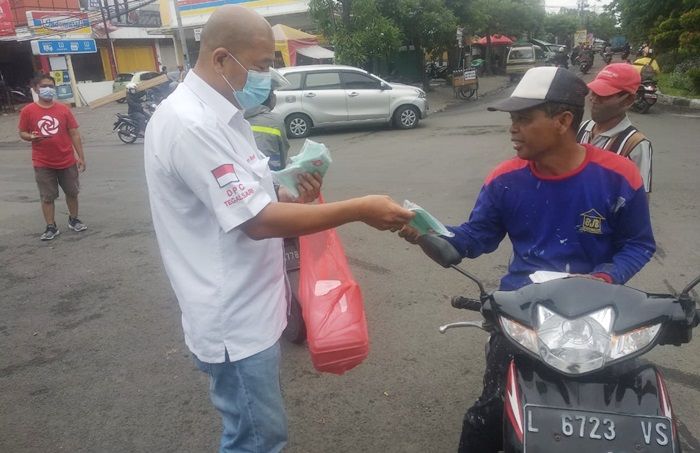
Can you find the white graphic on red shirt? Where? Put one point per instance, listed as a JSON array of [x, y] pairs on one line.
[[48, 125], [225, 175]]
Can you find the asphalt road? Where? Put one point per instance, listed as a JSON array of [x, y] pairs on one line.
[[93, 358]]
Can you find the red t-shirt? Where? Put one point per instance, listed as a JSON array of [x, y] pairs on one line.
[[55, 151]]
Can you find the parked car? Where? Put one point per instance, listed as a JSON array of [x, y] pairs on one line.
[[329, 95], [123, 78], [523, 57]]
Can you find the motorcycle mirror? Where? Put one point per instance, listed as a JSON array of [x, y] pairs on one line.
[[439, 250], [691, 285]]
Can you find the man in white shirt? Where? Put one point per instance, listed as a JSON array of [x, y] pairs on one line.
[[218, 220], [612, 93]]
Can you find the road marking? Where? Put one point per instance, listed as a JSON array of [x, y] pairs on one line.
[[687, 115]]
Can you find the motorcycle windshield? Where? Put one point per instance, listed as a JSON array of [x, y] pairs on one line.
[[575, 297]]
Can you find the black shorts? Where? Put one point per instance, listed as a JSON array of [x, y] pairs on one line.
[[48, 180]]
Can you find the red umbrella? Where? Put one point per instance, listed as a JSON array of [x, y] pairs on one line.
[[496, 40]]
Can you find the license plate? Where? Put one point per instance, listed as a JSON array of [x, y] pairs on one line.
[[291, 254], [650, 96], [552, 429]]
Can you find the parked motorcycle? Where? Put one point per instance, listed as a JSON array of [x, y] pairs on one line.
[[646, 96], [435, 71], [577, 383], [127, 127]]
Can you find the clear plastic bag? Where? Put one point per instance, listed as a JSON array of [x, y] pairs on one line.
[[313, 158], [425, 222]]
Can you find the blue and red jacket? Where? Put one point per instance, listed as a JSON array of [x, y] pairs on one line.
[[593, 220]]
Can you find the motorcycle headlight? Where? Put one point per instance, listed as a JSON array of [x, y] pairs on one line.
[[579, 345]]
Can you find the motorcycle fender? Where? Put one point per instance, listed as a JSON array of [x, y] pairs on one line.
[[632, 389]]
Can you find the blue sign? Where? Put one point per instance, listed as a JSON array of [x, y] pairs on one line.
[[63, 46]]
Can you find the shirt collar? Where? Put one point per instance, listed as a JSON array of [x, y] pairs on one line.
[[212, 98], [621, 126]]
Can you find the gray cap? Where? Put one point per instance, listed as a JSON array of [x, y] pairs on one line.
[[544, 84]]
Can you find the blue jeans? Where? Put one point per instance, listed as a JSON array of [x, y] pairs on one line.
[[247, 394]]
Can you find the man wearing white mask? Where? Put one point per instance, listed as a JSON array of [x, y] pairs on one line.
[[219, 221], [57, 153]]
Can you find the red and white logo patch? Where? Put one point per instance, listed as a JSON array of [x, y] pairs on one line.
[[48, 125], [225, 175]]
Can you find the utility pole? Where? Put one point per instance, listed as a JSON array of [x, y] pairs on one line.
[[112, 54], [181, 32]]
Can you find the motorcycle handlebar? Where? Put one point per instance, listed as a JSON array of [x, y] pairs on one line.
[[466, 304]]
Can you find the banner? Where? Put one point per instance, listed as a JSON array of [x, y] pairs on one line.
[[7, 26], [53, 22]]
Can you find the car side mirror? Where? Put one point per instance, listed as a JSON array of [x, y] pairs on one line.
[[439, 250], [384, 86]]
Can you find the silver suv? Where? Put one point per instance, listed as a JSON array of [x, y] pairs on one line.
[[325, 95]]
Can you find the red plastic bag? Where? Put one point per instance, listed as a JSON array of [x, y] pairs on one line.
[[331, 304]]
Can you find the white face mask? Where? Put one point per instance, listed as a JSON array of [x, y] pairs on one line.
[[47, 93]]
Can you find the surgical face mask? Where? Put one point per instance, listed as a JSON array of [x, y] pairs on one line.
[[47, 93], [256, 89]]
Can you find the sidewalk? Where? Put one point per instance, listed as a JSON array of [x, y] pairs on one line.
[[678, 101], [442, 95]]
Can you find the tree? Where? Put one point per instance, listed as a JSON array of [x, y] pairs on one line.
[[560, 27], [428, 25], [357, 35], [639, 17]]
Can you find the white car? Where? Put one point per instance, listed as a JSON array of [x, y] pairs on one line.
[[329, 95]]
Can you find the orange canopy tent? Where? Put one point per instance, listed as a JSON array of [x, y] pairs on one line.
[[289, 41]]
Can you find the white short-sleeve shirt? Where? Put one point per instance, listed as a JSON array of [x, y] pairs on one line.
[[205, 178]]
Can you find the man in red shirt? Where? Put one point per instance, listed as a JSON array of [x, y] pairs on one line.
[[57, 153]]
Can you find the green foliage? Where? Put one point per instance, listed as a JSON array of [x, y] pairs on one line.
[[509, 17], [690, 20], [357, 36], [560, 26], [693, 75], [426, 24], [689, 42]]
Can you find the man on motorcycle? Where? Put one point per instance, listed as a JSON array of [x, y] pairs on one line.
[[613, 92], [135, 102], [565, 207]]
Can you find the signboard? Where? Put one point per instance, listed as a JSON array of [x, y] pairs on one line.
[[53, 22], [470, 74], [94, 5], [63, 46], [580, 37], [197, 34]]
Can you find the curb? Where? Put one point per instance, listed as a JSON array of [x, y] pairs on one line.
[[454, 102], [678, 101]]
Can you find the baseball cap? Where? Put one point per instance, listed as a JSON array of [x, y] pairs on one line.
[[544, 84], [615, 78]]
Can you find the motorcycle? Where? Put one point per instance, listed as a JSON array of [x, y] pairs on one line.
[[577, 383], [645, 97], [127, 127], [607, 57], [435, 71], [585, 62], [295, 332]]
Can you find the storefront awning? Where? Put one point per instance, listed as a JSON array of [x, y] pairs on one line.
[[316, 52]]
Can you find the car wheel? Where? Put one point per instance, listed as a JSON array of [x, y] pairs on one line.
[[406, 117], [298, 125]]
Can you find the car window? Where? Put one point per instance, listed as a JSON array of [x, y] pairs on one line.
[[522, 53], [149, 75], [294, 81], [123, 77], [322, 81], [539, 53], [358, 81]]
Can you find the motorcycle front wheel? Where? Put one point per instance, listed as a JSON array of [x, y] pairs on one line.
[[641, 106], [127, 133]]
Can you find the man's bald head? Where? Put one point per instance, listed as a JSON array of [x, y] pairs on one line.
[[235, 28]]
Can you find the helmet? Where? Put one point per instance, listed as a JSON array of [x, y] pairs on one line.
[[131, 86]]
